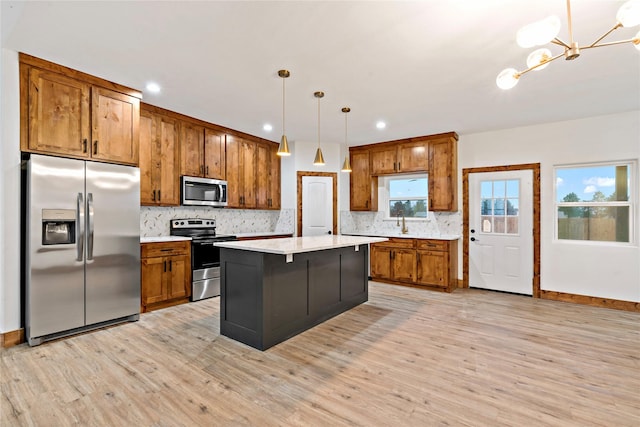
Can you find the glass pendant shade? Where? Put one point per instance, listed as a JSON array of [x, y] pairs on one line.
[[629, 14], [319, 160], [283, 148], [538, 57], [346, 166], [507, 78], [538, 33]]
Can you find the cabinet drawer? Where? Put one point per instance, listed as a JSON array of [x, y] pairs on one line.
[[433, 245], [397, 242], [149, 250]]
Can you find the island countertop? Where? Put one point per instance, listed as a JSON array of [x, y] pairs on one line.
[[295, 245]]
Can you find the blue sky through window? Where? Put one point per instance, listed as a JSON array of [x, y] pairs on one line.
[[585, 181], [403, 188]]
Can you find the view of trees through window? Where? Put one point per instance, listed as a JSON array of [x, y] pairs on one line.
[[593, 202], [408, 197]]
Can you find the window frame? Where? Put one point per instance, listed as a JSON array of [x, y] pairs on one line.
[[630, 203], [386, 196]]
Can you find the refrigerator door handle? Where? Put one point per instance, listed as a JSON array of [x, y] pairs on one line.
[[80, 227], [90, 226]]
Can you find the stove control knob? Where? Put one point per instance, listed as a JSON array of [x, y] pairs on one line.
[[175, 223], [181, 222]]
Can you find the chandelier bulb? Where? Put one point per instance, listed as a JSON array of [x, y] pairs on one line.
[[539, 58], [538, 33], [629, 14], [507, 78]]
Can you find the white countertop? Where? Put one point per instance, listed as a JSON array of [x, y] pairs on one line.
[[294, 245], [158, 239], [409, 235], [261, 234]]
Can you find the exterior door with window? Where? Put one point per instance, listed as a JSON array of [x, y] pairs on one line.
[[501, 231]]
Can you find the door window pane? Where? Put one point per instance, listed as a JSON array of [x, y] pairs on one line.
[[500, 206]]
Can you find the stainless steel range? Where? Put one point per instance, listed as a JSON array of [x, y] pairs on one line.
[[205, 257]]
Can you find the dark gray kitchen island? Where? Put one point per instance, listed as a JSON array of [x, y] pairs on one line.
[[274, 289]]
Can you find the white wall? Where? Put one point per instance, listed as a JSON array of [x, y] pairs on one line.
[[10, 192], [598, 270]]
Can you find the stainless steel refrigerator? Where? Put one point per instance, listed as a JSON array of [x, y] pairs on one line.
[[81, 247]]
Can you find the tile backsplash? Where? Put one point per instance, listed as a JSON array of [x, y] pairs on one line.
[[154, 221], [436, 223]]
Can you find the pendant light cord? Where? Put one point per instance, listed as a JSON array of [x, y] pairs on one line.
[[318, 122], [283, 100]]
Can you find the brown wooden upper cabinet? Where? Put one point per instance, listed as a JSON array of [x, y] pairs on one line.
[[202, 151], [362, 185], [443, 174], [159, 159], [72, 114], [390, 158], [267, 176], [241, 172], [433, 154]]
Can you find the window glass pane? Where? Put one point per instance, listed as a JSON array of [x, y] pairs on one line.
[[487, 224], [498, 224], [512, 224], [513, 188], [512, 206], [408, 187], [499, 189], [498, 207], [408, 208], [609, 224], [593, 183], [486, 208], [486, 189]]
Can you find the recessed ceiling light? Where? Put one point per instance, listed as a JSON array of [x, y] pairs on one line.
[[381, 125], [267, 127], [153, 87]]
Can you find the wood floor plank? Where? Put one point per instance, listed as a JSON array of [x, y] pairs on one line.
[[407, 357]]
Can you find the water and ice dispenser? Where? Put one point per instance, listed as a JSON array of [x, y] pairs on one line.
[[58, 226]]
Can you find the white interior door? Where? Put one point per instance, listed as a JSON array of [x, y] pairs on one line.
[[501, 231], [317, 205]]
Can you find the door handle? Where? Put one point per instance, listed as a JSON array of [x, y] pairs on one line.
[[80, 227], [90, 226], [329, 232], [472, 230], [473, 239]]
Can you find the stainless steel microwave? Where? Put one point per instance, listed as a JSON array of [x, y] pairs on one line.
[[196, 191]]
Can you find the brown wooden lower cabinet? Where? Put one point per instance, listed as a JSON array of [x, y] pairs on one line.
[[166, 274], [420, 262]]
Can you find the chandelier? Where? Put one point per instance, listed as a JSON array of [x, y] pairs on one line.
[[546, 31]]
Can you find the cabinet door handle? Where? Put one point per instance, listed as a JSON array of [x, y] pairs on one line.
[[399, 168], [95, 147], [165, 266], [166, 250], [159, 198], [170, 264], [84, 145], [394, 166], [153, 198], [207, 173], [366, 204]]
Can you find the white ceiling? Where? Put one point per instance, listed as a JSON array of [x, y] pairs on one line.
[[423, 67]]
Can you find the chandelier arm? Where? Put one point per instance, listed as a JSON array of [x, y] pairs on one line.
[[615, 27], [609, 43], [560, 43], [540, 64]]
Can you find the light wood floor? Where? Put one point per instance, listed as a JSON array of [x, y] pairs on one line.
[[408, 357]]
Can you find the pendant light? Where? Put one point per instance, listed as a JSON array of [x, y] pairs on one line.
[[319, 160], [346, 166], [283, 148]]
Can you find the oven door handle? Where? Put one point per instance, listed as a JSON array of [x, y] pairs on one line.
[[205, 242]]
